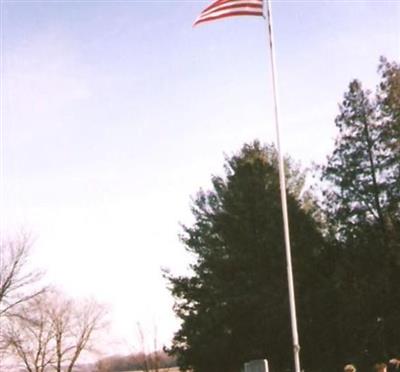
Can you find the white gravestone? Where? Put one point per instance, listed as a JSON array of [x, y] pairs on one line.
[[260, 365]]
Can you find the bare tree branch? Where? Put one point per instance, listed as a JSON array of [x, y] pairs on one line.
[[18, 284]]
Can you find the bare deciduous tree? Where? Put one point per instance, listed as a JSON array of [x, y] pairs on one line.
[[29, 336], [151, 359], [75, 325], [52, 331]]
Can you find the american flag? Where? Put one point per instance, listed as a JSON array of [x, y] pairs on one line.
[[230, 8]]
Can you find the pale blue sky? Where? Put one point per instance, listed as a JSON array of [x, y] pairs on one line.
[[115, 113]]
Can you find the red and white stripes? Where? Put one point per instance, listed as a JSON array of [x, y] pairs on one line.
[[230, 8]]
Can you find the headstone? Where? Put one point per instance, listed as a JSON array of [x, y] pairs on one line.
[[259, 365]]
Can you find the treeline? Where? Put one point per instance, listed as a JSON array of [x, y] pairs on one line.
[[345, 238], [137, 361]]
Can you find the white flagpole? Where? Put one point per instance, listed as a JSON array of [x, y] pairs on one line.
[[296, 346]]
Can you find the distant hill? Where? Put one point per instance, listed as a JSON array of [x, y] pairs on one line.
[[137, 362], [172, 369]]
